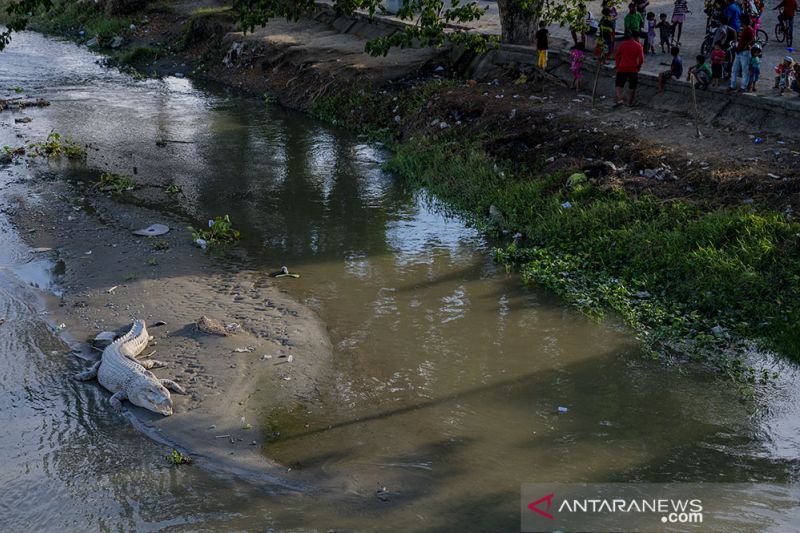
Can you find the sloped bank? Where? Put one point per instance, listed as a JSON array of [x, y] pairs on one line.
[[691, 240], [696, 252]]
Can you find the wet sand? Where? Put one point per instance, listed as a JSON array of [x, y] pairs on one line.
[[92, 243]]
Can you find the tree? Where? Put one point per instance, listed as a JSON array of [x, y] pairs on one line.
[[432, 22], [18, 13]]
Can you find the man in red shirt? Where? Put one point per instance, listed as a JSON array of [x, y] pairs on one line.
[[629, 58], [788, 9]]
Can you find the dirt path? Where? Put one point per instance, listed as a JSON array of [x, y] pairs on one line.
[[691, 39]]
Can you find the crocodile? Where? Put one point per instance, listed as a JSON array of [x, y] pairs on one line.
[[128, 378]]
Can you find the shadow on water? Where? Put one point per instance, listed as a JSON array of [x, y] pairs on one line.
[[447, 375]]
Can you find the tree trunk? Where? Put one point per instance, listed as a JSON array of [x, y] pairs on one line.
[[518, 26]]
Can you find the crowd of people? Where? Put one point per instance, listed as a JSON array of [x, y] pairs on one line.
[[731, 51]]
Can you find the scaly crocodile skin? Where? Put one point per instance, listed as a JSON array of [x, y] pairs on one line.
[[129, 379]]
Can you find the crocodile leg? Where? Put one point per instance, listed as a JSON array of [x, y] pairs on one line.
[[117, 398], [152, 363], [171, 385], [88, 374]]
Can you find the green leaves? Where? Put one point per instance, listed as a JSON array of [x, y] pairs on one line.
[[56, 146], [220, 229], [18, 14]]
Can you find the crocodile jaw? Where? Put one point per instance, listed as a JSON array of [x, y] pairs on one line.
[[151, 395]]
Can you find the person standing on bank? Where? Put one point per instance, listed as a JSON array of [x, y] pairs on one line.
[[629, 58], [742, 61], [542, 44], [633, 22], [679, 12]]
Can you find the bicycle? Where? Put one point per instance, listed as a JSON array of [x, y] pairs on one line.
[[782, 31], [762, 38], [708, 41]]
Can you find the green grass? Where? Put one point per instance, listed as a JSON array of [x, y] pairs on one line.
[[70, 17], [114, 184], [210, 11], [675, 272]]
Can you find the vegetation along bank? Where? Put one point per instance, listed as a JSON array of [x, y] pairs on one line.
[[693, 242]]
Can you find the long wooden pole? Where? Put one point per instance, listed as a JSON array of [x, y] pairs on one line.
[[694, 100], [600, 62]]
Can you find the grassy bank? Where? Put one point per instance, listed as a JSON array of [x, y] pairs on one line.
[[692, 279], [691, 276], [70, 18], [689, 280]]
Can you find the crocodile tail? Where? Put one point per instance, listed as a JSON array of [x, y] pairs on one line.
[[135, 341]]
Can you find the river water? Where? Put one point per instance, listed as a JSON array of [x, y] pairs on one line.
[[448, 376]]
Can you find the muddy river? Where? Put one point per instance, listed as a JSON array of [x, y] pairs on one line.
[[451, 383]]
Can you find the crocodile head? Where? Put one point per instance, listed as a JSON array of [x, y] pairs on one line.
[[151, 395]]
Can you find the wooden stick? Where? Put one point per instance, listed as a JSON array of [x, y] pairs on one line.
[[597, 75], [694, 100]]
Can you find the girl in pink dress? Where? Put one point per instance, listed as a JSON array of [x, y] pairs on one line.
[[576, 56]]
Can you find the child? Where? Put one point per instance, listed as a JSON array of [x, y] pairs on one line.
[[576, 64], [796, 79], [755, 67], [542, 44], [675, 69], [651, 33], [782, 74], [679, 17], [633, 22], [701, 73], [665, 32], [717, 64], [607, 32]]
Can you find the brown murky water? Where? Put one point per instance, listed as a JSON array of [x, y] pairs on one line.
[[448, 374]]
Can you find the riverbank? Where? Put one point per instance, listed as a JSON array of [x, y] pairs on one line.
[[502, 151], [77, 204], [720, 206], [108, 277]]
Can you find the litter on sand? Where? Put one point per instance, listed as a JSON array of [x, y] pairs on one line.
[[284, 273], [562, 409], [153, 230]]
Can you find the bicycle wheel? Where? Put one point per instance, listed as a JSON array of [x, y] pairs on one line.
[[762, 38], [705, 48], [780, 32]]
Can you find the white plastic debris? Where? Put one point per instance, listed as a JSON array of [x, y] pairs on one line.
[[153, 230]]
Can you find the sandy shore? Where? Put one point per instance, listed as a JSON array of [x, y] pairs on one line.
[[92, 244]]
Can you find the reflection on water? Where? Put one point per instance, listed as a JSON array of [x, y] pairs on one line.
[[448, 376]]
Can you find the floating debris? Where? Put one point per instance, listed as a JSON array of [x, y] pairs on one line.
[[103, 339], [20, 103], [152, 231], [382, 494], [284, 273], [243, 350]]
